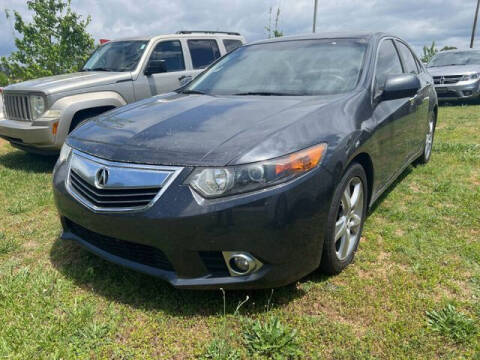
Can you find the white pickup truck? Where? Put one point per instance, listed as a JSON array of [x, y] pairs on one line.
[[39, 114]]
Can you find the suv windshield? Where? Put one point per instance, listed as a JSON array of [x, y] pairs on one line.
[[299, 67], [456, 58], [116, 56]]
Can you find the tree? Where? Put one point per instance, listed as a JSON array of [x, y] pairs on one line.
[[273, 31], [445, 48], [429, 52], [54, 42]]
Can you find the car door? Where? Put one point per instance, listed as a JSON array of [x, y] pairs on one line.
[[168, 60], [390, 116], [415, 132]]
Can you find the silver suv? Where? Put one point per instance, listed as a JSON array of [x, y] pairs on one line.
[[456, 74], [39, 114]]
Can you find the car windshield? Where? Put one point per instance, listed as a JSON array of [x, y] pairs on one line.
[[456, 58], [116, 56], [299, 67]]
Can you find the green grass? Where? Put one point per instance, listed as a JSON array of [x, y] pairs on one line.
[[419, 256]]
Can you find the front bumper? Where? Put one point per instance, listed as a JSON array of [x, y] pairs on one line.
[[36, 136], [181, 237], [461, 90]]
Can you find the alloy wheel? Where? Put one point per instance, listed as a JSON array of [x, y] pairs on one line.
[[349, 218], [429, 138]]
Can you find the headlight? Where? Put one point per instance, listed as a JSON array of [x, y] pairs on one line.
[[64, 153], [229, 180], [37, 104], [470, 77]]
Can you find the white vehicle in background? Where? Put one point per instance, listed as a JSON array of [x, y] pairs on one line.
[[40, 113]]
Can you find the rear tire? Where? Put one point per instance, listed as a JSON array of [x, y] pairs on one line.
[[427, 147], [346, 217]]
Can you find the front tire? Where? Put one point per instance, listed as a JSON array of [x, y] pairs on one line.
[[346, 217]]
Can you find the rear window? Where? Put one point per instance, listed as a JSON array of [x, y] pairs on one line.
[[203, 52], [231, 45]]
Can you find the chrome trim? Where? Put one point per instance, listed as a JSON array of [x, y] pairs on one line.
[[254, 263], [165, 175]]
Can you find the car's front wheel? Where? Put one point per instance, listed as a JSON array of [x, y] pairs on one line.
[[345, 220]]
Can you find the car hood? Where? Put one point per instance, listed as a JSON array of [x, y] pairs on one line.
[[176, 129], [453, 70], [69, 82]]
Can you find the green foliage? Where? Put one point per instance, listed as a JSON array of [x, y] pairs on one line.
[[452, 323], [429, 52], [220, 349], [54, 42], [446, 48], [271, 339], [272, 30], [3, 79]]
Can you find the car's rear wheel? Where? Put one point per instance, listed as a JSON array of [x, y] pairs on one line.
[[345, 220], [427, 148]]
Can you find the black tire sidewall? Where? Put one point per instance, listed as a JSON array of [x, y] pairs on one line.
[[330, 263]]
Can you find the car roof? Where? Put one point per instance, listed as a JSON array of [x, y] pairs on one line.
[[183, 35], [326, 35]]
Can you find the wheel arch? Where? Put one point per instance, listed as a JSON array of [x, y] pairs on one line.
[[70, 106], [366, 162]]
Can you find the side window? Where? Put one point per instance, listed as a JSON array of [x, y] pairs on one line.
[[231, 45], [388, 63], [203, 52], [169, 55], [408, 59]]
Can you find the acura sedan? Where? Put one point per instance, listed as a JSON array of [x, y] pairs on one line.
[[259, 171]]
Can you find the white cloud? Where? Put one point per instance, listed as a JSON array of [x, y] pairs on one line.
[[419, 22]]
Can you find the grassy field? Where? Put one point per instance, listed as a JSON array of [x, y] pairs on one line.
[[413, 292]]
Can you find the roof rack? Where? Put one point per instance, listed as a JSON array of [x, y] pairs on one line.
[[207, 32]]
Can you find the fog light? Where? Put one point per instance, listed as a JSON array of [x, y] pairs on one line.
[[241, 263], [467, 93]]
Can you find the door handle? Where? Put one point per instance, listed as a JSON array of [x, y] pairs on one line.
[[185, 79]]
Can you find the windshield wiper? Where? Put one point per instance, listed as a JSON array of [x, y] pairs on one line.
[[99, 69], [266, 93], [187, 91]]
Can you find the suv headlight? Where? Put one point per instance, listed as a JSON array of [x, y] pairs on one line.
[[470, 77], [37, 104], [229, 180]]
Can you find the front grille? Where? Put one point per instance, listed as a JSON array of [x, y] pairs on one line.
[[112, 198], [447, 94], [215, 263], [141, 254], [17, 107], [449, 79]]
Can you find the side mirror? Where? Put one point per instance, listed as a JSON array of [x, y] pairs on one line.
[[400, 86], [155, 67]]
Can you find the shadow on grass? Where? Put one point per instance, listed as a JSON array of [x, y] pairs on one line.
[[149, 293], [385, 194], [21, 160], [458, 103]]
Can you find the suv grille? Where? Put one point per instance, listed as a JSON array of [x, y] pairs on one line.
[[141, 254], [17, 107], [112, 198], [450, 79]]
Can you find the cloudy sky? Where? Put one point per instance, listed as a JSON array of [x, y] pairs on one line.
[[447, 22]]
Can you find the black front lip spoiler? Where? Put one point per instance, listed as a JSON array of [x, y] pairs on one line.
[[205, 282]]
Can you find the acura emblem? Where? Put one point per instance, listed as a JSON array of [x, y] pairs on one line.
[[101, 177], [442, 80]]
